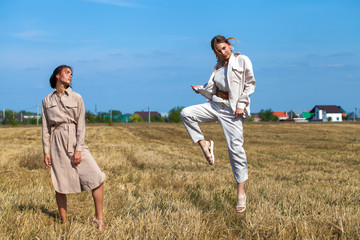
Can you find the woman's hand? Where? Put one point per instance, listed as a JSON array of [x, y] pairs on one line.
[[239, 112], [47, 160], [76, 159], [196, 87]]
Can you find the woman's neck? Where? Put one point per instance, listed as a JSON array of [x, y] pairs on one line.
[[60, 88], [224, 63]]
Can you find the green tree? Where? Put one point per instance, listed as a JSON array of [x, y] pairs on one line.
[[251, 119], [267, 115], [10, 117], [100, 118], [136, 118], [174, 114], [157, 119], [116, 113], [90, 117]]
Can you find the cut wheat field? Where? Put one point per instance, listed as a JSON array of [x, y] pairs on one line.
[[303, 184]]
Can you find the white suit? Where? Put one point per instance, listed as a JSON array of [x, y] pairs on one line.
[[241, 83]]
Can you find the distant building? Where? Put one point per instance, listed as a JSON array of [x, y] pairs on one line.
[[281, 115], [256, 117], [307, 115], [343, 112], [125, 118], [327, 113], [145, 115], [293, 115]]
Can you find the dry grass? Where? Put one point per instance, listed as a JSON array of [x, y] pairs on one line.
[[303, 184]]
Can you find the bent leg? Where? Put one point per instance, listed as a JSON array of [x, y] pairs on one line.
[[195, 114]]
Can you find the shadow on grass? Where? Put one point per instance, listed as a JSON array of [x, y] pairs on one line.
[[33, 208], [52, 214]]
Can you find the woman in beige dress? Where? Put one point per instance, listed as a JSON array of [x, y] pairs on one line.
[[73, 169]]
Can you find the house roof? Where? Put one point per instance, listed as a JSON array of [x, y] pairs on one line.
[[342, 109], [327, 108], [146, 114], [307, 115], [280, 114]]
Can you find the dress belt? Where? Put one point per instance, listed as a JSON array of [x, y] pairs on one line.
[[221, 94], [71, 129]]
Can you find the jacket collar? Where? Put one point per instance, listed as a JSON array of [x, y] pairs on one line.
[[67, 91], [232, 60]]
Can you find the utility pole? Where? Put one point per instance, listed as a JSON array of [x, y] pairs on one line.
[[110, 115], [4, 113], [149, 113], [95, 109]]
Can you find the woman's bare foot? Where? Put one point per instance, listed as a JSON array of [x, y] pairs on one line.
[[99, 222], [208, 150]]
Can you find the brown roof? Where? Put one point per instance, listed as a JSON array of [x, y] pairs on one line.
[[146, 114], [328, 108]]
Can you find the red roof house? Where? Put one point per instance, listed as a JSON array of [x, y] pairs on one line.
[[281, 115]]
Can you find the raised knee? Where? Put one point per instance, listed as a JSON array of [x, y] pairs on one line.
[[184, 113]]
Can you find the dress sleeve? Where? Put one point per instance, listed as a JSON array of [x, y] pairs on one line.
[[80, 127], [249, 86], [46, 130]]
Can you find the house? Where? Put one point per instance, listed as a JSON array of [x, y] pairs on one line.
[[281, 115], [307, 115], [343, 112], [293, 115], [256, 117], [145, 115], [331, 113], [125, 118]]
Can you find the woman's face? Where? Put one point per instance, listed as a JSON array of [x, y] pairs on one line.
[[65, 76], [224, 51]]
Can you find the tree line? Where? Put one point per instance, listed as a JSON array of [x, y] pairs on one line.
[[114, 116]]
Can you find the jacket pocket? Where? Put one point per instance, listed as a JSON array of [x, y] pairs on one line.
[[237, 74], [51, 109], [50, 105], [70, 105], [71, 108]]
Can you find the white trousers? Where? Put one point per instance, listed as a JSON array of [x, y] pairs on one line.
[[232, 128]]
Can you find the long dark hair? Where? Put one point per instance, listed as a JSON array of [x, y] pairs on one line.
[[57, 70]]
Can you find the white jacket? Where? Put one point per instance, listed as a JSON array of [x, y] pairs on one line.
[[241, 82]]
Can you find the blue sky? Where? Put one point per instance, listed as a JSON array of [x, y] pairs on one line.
[[129, 55]]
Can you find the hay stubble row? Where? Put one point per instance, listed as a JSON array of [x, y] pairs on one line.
[[303, 183]]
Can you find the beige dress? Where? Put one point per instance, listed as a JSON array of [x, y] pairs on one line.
[[67, 116]]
